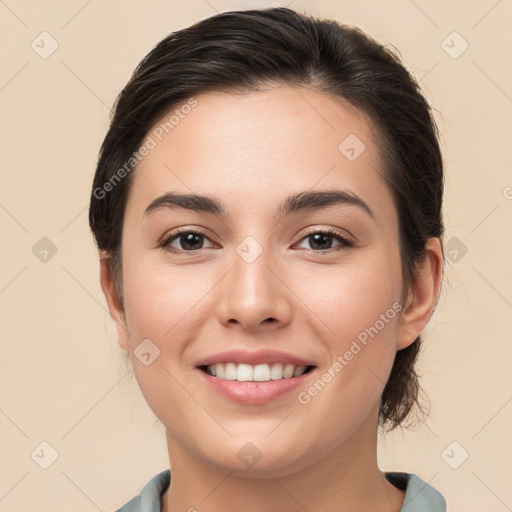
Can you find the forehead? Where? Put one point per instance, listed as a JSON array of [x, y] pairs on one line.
[[252, 149]]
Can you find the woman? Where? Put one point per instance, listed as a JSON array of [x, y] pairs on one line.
[[267, 208]]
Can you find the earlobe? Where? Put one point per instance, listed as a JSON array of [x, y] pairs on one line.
[[114, 305], [422, 296]]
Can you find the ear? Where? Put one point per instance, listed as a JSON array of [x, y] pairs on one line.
[[422, 295], [114, 304]]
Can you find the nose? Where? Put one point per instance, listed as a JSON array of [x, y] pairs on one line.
[[254, 295]]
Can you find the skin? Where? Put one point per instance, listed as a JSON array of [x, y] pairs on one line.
[[250, 151]]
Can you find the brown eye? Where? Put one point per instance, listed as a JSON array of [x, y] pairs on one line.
[[187, 240], [322, 241]]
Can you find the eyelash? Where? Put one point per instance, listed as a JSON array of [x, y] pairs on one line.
[[344, 242]]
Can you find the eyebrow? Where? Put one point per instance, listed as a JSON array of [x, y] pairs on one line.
[[292, 204]]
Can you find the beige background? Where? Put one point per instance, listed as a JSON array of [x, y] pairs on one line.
[[62, 380]]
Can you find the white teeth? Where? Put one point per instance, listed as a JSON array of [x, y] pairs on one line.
[[299, 370], [288, 371], [261, 373], [230, 372], [277, 371], [258, 373], [244, 372]]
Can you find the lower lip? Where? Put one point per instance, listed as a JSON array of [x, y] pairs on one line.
[[254, 392]]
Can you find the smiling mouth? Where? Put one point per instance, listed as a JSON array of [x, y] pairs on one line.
[[255, 373]]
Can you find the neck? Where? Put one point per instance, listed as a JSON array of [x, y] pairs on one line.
[[346, 479]]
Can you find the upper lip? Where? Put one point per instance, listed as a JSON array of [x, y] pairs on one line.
[[254, 358]]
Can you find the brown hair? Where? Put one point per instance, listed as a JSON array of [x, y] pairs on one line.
[[242, 51]]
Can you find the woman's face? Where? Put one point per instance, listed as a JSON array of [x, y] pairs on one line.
[[263, 276]]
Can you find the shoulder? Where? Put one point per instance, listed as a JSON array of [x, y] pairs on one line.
[[419, 495], [150, 495]]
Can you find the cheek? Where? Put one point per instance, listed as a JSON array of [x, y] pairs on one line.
[[158, 297], [167, 306], [359, 304], [352, 296]]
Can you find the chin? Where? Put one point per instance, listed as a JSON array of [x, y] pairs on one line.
[[258, 460]]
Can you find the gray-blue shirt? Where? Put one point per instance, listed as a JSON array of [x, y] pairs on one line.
[[419, 495]]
